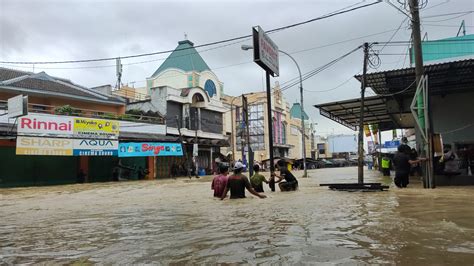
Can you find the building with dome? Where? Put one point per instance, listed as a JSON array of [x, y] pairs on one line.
[[186, 92]]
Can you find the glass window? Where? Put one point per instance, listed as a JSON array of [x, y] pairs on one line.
[[256, 128]]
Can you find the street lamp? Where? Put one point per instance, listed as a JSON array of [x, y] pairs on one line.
[[246, 47]]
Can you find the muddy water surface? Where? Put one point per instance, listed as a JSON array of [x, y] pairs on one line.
[[179, 222]]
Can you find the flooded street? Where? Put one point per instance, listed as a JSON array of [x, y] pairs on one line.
[[180, 222]]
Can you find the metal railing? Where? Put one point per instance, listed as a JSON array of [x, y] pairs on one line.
[[131, 96]]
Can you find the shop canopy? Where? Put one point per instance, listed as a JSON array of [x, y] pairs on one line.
[[395, 89], [377, 111]]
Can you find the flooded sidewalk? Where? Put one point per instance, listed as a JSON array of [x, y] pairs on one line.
[[178, 221]]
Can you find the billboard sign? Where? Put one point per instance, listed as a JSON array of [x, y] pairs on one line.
[[26, 145], [67, 126], [95, 147], [46, 125], [43, 146], [96, 128], [391, 144], [145, 149], [17, 106], [265, 51]]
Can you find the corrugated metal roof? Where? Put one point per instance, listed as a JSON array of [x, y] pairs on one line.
[[441, 77], [376, 111], [184, 57]]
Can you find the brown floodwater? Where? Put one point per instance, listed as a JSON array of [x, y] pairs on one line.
[[179, 222]]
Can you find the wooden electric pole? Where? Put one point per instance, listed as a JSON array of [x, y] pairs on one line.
[[361, 119], [424, 122]]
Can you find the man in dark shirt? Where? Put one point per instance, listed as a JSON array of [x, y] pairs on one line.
[[290, 183], [237, 183], [403, 164]]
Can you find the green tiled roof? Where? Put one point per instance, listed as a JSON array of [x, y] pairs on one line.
[[295, 112], [184, 57]]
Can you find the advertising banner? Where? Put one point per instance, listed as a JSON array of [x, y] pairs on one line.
[[45, 125], [265, 51], [144, 149], [65, 147], [67, 126], [95, 147], [96, 128], [391, 144], [43, 146]]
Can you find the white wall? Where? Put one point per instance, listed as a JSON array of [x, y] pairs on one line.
[[174, 78], [342, 143]]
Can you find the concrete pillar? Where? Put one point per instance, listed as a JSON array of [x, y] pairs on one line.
[[211, 163], [151, 167], [84, 165]]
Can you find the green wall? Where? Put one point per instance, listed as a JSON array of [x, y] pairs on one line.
[[25, 170], [101, 168]]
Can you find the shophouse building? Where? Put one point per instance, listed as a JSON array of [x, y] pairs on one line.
[[39, 148]]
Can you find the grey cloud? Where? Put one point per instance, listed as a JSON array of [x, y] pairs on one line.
[[60, 30]]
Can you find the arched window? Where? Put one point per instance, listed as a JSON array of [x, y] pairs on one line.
[[283, 133], [210, 87]]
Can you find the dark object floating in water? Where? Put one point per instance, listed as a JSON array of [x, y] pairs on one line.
[[365, 187]]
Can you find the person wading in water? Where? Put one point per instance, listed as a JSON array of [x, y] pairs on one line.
[[290, 183], [237, 183]]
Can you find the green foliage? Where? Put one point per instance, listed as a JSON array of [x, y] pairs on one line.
[[66, 110]]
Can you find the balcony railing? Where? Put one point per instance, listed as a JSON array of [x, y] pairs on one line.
[[68, 110], [131, 96]]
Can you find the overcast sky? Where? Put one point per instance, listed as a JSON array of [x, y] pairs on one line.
[[83, 29]]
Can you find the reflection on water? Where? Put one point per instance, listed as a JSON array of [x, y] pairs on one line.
[[179, 222]]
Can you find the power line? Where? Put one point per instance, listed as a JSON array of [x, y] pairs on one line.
[[448, 26], [395, 33], [344, 41], [408, 42], [454, 53], [398, 92], [337, 87], [295, 81], [202, 51], [441, 20], [449, 14], [197, 46]]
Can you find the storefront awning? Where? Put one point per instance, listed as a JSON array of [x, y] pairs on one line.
[[146, 137], [395, 90], [377, 110]]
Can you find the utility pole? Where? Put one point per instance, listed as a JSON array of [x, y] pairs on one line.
[[196, 146], [183, 146], [242, 128], [361, 119], [270, 129], [118, 65], [245, 112], [421, 104]]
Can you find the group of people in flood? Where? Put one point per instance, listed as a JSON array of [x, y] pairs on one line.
[[237, 183]]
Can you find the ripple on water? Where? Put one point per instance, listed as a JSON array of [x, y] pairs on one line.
[[179, 222]]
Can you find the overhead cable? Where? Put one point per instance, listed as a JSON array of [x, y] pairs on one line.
[[197, 46]]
